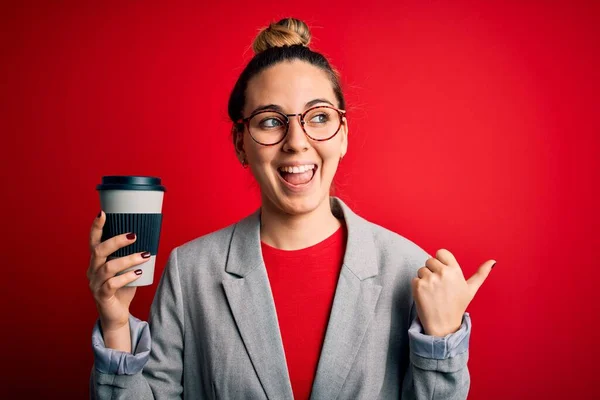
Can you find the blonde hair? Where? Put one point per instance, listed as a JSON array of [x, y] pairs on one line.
[[286, 32]]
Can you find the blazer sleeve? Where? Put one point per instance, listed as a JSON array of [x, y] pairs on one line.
[[155, 368], [438, 365]]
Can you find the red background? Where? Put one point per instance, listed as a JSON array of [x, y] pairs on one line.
[[473, 127]]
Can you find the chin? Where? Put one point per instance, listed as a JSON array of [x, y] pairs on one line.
[[299, 205]]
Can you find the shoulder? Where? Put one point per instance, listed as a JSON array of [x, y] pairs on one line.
[[394, 250], [206, 246], [202, 261], [392, 242]]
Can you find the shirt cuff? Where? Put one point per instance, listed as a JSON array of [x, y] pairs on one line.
[[436, 347], [110, 361]]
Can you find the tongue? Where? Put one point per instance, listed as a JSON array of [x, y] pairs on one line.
[[298, 179]]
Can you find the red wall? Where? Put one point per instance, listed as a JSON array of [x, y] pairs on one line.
[[473, 127]]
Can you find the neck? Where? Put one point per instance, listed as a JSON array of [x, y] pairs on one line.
[[293, 232]]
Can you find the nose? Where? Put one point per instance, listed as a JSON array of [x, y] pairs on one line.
[[295, 140]]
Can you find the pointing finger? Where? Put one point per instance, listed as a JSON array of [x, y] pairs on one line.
[[477, 279]]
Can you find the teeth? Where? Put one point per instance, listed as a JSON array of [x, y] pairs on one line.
[[298, 169]]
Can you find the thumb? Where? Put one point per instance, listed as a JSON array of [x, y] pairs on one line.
[[477, 279]]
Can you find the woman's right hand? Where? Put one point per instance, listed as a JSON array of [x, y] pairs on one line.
[[111, 295]]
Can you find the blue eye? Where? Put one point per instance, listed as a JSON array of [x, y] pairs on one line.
[[270, 123], [319, 118]]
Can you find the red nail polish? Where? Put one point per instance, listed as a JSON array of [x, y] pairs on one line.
[[130, 236], [138, 271], [146, 254]]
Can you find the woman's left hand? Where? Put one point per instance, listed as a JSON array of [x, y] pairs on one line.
[[442, 294]]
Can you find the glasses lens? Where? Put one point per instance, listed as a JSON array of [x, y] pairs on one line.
[[267, 127], [321, 122]]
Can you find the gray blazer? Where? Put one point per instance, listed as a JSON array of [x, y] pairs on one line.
[[213, 330]]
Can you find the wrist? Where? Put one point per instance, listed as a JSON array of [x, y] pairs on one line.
[[118, 338], [441, 332], [112, 326]]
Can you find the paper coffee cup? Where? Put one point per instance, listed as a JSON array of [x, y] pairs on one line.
[[133, 204]]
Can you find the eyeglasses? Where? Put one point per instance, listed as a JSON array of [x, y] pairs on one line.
[[269, 127]]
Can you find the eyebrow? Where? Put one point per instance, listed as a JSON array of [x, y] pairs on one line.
[[280, 109]]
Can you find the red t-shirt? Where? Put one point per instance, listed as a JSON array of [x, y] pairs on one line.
[[303, 283]]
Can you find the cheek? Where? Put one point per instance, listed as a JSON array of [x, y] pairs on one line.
[[254, 151], [260, 158], [331, 153], [330, 162]]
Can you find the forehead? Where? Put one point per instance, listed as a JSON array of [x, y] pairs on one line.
[[289, 84]]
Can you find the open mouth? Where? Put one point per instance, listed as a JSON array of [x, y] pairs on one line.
[[298, 175]]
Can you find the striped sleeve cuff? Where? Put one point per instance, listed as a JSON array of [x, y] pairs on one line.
[[110, 361], [436, 347]]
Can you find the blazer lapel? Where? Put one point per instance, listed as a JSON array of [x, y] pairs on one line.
[[253, 308], [353, 306]]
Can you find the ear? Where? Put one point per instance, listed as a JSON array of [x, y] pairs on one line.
[[344, 133], [238, 143]]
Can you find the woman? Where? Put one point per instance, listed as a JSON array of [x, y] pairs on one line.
[[303, 297]]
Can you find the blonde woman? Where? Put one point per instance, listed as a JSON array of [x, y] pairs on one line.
[[303, 298]]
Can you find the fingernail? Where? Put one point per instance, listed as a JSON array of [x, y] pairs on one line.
[[138, 271], [146, 254], [493, 265], [130, 236], [99, 214]]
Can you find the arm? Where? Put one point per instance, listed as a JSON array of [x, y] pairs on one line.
[[154, 369], [438, 366]]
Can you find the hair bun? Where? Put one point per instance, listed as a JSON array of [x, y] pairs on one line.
[[287, 32]]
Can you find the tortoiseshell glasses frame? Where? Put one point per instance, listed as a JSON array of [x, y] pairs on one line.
[[286, 119]]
